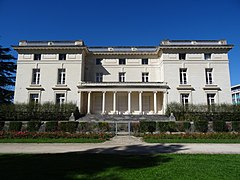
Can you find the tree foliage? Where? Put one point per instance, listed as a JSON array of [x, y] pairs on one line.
[[7, 75]]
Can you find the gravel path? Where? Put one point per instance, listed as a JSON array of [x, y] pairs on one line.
[[121, 145]]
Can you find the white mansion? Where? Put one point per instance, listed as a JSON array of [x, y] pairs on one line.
[[123, 79]]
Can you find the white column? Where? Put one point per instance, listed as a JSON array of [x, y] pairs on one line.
[[114, 102], [89, 103], [129, 102], [155, 102], [103, 102], [165, 102], [80, 101], [140, 102]]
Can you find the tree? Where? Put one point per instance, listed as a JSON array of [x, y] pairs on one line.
[[7, 75]]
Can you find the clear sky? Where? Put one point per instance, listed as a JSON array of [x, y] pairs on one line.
[[123, 22]]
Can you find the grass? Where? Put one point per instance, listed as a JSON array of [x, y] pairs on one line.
[[154, 140], [117, 167], [52, 140]]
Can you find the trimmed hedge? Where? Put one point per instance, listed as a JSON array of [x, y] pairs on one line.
[[166, 126], [219, 126], [33, 126], [103, 127], [201, 126], [236, 126], [51, 126], [70, 126], [147, 126], [15, 126], [88, 127], [135, 127], [2, 123], [183, 126]]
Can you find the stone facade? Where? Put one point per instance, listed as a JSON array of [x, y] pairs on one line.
[[123, 80]]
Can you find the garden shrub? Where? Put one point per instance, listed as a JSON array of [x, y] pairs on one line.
[[166, 126], [51, 126], [2, 123], [71, 126], [236, 126], [15, 126], [183, 126], [135, 127], [219, 126], [88, 127], [147, 126], [33, 126], [103, 126], [201, 126]]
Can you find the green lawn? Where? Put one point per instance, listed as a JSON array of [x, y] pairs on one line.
[[51, 140], [152, 140], [116, 167]]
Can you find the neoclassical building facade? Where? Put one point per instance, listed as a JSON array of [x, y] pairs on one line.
[[123, 79]]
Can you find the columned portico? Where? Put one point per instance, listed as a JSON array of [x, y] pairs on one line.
[[114, 102]]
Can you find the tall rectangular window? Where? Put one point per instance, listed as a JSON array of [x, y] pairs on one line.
[[62, 56], [34, 98], [99, 77], [37, 57], [211, 99], [122, 77], [183, 76], [145, 77], [182, 56], [184, 99], [144, 61], [207, 56], [36, 76], [61, 76], [60, 98], [98, 61], [208, 74], [122, 61]]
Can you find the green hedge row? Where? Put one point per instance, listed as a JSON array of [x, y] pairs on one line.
[[222, 112], [40, 112]]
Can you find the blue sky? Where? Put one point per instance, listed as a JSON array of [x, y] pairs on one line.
[[125, 22]]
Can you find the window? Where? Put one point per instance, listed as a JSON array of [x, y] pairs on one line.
[[210, 99], [34, 98], [208, 73], [122, 77], [185, 99], [36, 76], [99, 77], [61, 76], [37, 57], [62, 56], [182, 56], [183, 76], [145, 77], [144, 61], [122, 61], [98, 61], [60, 98], [207, 56]]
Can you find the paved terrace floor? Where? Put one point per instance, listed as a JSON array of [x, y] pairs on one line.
[[120, 145]]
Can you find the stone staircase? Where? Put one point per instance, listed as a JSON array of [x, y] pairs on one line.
[[100, 117]]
